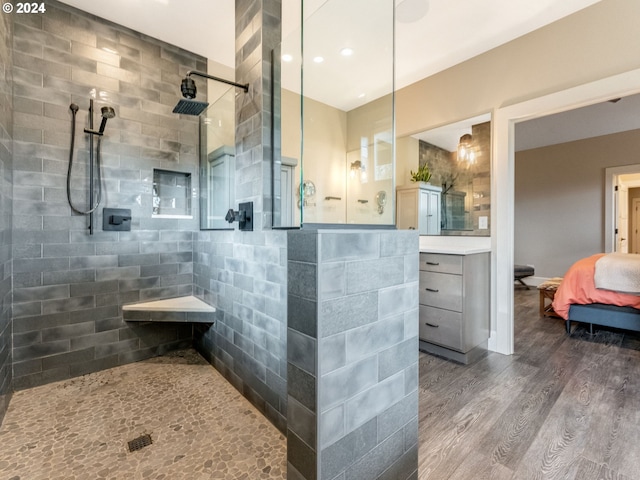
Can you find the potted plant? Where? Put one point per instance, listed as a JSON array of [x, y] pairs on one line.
[[422, 175]]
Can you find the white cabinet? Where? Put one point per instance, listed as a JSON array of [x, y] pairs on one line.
[[418, 208], [454, 304]]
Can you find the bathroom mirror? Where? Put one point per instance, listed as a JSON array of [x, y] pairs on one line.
[[459, 158], [217, 158]]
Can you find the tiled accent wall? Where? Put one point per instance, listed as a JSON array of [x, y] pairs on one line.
[[258, 32], [69, 286], [244, 275], [6, 174], [352, 355]]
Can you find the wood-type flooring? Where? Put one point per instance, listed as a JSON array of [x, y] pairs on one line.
[[562, 407]]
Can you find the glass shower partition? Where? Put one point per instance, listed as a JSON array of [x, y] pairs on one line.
[[334, 116], [217, 161]]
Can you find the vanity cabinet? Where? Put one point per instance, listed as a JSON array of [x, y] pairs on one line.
[[418, 208], [454, 304]]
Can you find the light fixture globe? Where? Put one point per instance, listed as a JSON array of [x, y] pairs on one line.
[[465, 149]]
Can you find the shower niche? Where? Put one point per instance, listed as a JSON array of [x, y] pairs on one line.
[[171, 194]]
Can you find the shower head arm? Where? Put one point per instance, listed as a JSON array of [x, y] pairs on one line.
[[245, 86]]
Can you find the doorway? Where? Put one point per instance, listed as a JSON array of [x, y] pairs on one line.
[[619, 182], [629, 203], [503, 164]]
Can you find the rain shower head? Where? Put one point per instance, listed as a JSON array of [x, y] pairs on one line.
[[107, 113], [188, 89], [190, 107]]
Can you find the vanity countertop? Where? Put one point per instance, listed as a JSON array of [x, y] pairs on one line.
[[455, 249], [454, 245]]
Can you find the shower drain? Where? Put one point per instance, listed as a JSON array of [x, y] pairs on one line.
[[139, 443]]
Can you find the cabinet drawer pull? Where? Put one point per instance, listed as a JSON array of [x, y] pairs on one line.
[[434, 290], [431, 325], [433, 263]]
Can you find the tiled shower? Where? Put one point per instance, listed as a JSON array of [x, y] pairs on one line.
[[69, 286]]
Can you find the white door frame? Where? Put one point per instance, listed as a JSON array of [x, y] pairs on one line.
[[502, 186], [610, 180], [635, 225]]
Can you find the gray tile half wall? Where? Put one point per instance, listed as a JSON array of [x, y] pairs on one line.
[[352, 354], [68, 287], [6, 195]]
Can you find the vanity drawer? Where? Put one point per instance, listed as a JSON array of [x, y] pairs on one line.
[[437, 262], [441, 290], [442, 327]]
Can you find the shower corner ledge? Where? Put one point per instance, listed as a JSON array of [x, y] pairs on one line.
[[179, 309]]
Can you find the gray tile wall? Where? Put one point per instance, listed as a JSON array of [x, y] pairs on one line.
[[69, 286], [244, 275], [6, 175], [353, 354], [258, 32]]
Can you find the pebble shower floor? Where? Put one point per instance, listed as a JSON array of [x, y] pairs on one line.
[[200, 427]]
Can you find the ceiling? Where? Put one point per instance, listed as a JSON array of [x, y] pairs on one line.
[[613, 116], [617, 115], [431, 35]]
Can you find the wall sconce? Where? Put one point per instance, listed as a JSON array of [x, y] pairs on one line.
[[356, 167], [466, 152]]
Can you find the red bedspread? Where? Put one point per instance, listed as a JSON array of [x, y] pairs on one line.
[[578, 287]]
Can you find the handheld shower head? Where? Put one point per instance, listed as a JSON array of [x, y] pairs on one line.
[[107, 113], [188, 88]]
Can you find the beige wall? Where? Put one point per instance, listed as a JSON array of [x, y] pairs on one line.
[[327, 158], [597, 42], [559, 200], [324, 154], [290, 110]]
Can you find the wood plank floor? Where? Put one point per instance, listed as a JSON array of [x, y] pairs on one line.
[[563, 407]]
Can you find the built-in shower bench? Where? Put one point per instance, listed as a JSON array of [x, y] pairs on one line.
[[177, 309]]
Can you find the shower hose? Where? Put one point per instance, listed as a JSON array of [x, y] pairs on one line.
[[74, 110]]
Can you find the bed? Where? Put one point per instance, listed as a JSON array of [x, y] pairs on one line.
[[578, 300]]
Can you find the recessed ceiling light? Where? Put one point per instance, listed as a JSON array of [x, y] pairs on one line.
[[346, 52], [362, 95], [287, 57], [318, 59]]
